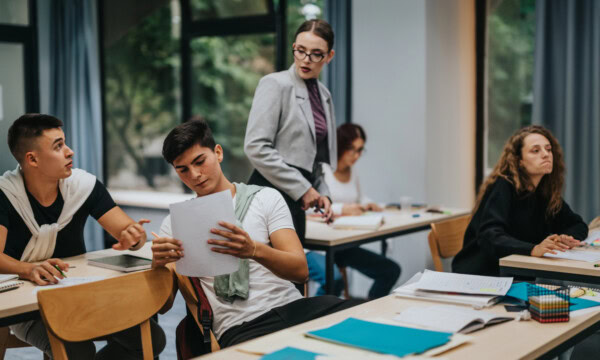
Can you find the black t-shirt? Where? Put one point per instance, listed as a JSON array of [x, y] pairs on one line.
[[69, 240], [508, 223]]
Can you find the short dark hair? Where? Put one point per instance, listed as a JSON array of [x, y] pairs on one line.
[[26, 129], [319, 27], [184, 136], [346, 134]]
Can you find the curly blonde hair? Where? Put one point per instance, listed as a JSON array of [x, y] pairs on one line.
[[509, 168]]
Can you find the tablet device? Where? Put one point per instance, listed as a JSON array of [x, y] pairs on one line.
[[125, 263]]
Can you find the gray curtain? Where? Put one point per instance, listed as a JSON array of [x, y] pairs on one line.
[[74, 83], [567, 93], [338, 73]]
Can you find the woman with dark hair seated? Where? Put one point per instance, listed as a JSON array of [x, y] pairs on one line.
[[348, 199], [519, 208]]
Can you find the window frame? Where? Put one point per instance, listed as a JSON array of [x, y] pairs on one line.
[[26, 35]]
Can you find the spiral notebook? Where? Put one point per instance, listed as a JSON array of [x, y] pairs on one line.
[[9, 282]]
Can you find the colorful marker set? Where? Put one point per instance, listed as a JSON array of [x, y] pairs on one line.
[[549, 306]]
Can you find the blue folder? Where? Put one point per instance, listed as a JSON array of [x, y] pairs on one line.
[[382, 338], [519, 291], [290, 353]]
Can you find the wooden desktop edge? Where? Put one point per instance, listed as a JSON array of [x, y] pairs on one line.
[[549, 264], [382, 232]]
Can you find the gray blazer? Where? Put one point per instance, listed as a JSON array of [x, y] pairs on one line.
[[281, 131]]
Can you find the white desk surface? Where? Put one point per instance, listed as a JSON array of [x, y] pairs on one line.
[[512, 340], [23, 300], [319, 233], [551, 264]]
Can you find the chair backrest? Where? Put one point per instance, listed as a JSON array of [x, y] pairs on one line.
[[446, 239], [191, 301], [88, 311]]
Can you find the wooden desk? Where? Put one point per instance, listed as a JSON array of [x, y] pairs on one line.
[[21, 304], [320, 236], [560, 269], [511, 340]]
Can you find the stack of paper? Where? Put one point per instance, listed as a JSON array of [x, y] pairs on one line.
[[477, 291], [449, 318], [370, 221]]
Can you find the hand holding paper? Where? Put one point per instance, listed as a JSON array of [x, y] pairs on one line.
[[191, 223]]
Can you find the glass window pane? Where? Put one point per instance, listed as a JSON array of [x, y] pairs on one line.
[[142, 97], [225, 73], [14, 12], [12, 96], [218, 9], [511, 37]]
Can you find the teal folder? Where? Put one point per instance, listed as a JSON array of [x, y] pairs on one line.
[[381, 338], [519, 291], [290, 353]]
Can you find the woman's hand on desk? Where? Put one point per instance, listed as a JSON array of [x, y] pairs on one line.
[[46, 273], [165, 250], [352, 209], [373, 207], [568, 240], [549, 245]]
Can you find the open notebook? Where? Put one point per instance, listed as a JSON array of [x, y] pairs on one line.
[[449, 318], [9, 282], [411, 289]]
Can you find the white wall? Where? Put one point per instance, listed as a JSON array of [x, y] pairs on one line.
[[413, 91]]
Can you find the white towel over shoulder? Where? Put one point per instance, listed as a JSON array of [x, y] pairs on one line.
[[75, 190]]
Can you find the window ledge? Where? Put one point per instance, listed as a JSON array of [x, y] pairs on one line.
[[147, 199]]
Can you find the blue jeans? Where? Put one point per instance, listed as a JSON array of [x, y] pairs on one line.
[[383, 271], [316, 272]]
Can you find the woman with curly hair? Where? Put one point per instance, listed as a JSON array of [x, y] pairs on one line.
[[519, 207]]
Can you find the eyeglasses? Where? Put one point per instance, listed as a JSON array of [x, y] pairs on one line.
[[314, 57], [360, 151]]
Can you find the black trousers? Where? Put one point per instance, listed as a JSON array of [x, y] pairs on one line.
[[298, 215], [283, 317]]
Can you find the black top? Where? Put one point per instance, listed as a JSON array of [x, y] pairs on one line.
[[508, 223], [69, 240]]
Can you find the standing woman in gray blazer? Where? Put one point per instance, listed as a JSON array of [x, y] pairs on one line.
[[291, 127]]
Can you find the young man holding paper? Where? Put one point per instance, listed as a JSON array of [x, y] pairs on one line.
[[44, 204], [260, 298]]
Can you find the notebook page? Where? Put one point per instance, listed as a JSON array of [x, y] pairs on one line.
[[447, 318], [467, 284], [579, 255]]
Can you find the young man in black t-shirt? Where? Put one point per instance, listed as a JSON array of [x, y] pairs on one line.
[[44, 205]]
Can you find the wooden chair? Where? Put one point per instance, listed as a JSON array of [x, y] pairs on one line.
[[97, 309], [446, 239], [191, 301], [10, 341]]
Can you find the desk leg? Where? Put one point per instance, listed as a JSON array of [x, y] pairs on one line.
[[384, 247], [329, 263]]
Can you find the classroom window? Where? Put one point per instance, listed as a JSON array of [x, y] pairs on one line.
[[210, 9], [141, 92], [225, 73], [509, 85]]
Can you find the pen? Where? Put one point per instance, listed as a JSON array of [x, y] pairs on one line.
[[322, 213], [60, 271]]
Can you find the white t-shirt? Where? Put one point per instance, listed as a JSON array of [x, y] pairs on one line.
[[268, 213], [343, 193]]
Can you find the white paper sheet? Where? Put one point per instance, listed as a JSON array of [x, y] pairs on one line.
[[466, 284], [70, 281], [191, 222], [580, 255], [446, 318]]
